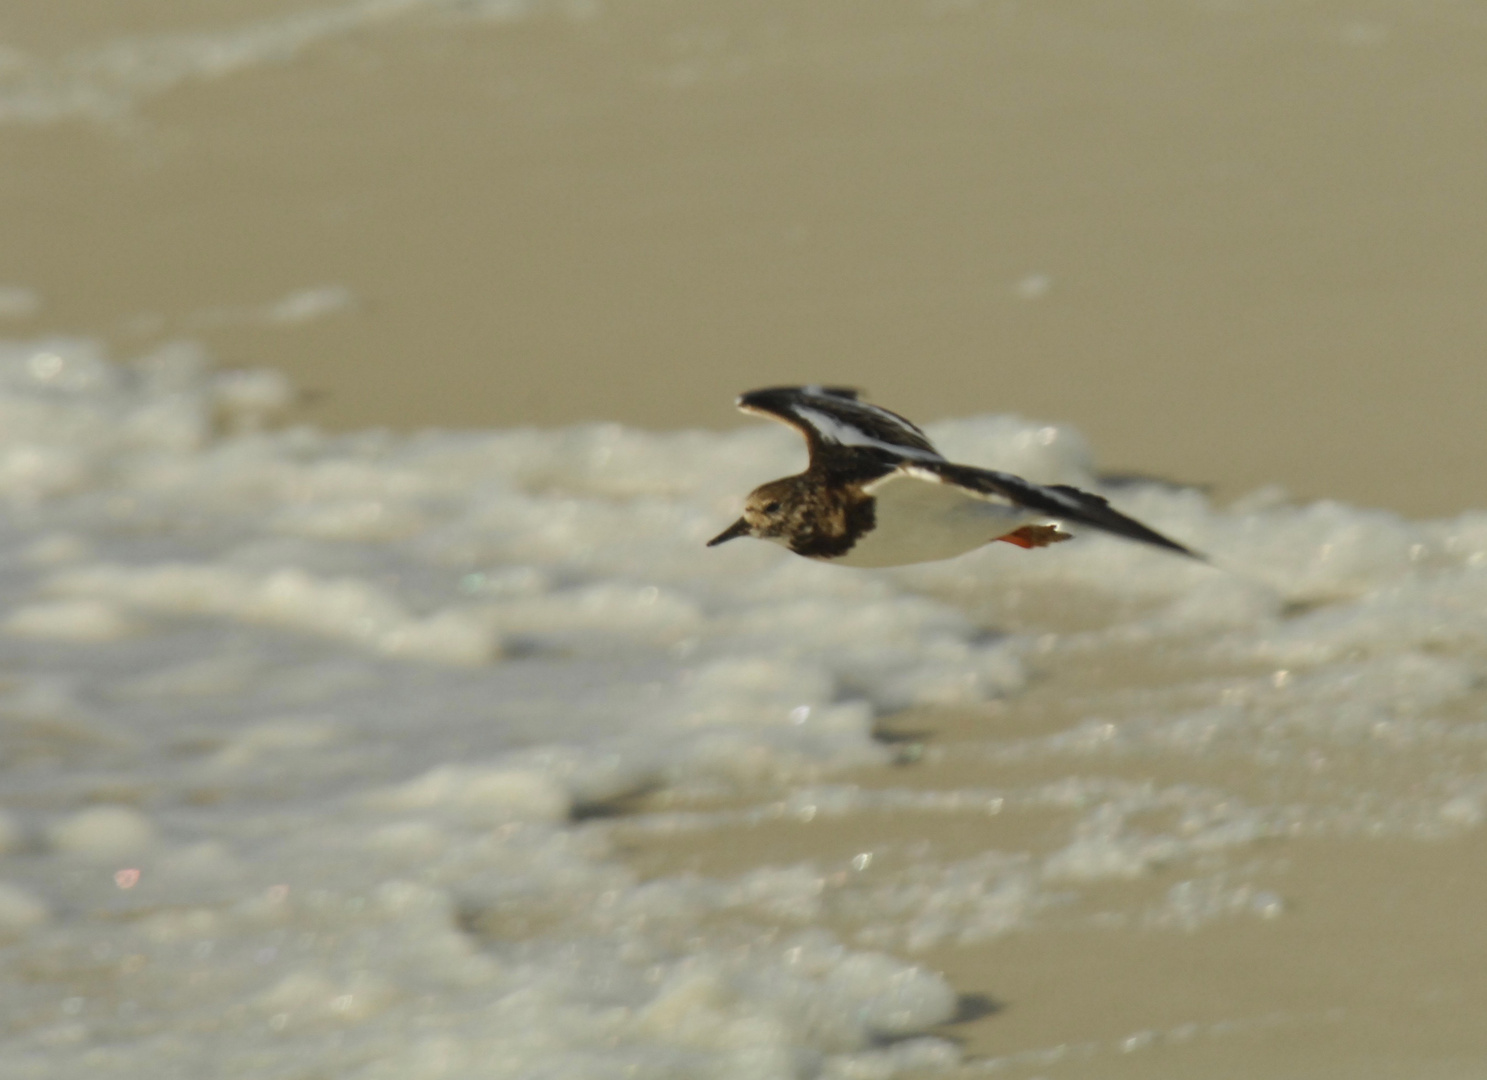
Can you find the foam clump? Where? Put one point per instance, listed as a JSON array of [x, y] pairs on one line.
[[107, 81], [346, 608], [812, 992], [20, 911], [485, 795], [68, 620], [103, 832]]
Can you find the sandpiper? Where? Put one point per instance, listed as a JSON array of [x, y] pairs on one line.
[[877, 492]]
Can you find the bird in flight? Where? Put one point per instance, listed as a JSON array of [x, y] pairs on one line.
[[877, 492]]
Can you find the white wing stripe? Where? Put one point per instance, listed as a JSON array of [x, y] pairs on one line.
[[833, 430], [896, 421], [1055, 496]]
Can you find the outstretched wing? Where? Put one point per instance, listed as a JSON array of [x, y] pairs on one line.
[[845, 436], [1059, 501]]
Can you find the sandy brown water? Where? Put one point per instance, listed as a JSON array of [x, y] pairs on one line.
[[1237, 244]]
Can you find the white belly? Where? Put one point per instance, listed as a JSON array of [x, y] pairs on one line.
[[919, 521]]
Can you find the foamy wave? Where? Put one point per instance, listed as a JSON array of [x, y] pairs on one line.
[[109, 81], [311, 738]]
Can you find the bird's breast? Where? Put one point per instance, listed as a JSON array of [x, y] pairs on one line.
[[918, 521]]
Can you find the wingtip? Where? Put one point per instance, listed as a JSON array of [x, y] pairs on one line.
[[1178, 549], [848, 393]]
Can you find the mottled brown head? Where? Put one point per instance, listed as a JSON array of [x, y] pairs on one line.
[[804, 515]]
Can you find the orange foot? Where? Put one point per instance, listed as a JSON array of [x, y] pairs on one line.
[[1036, 536]]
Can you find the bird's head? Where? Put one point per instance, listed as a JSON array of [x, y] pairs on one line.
[[771, 512]]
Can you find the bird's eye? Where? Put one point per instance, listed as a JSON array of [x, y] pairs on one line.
[[771, 507]]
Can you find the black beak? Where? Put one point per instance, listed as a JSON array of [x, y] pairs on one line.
[[732, 532]]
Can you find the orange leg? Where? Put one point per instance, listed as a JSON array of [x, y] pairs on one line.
[[1035, 536]]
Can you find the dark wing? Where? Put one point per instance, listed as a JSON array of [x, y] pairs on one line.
[[1059, 501], [846, 437]]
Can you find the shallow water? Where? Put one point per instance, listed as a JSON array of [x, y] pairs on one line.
[[360, 754], [1235, 243]]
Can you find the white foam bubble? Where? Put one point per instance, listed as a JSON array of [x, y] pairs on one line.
[[106, 81], [485, 795], [20, 911], [349, 609], [307, 305], [68, 620], [103, 832]]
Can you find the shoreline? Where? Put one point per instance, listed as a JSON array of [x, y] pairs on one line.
[[1302, 957]]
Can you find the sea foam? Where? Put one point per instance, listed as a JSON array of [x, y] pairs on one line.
[[314, 742]]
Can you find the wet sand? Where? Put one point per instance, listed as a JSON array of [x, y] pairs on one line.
[[1363, 960], [1235, 246]]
